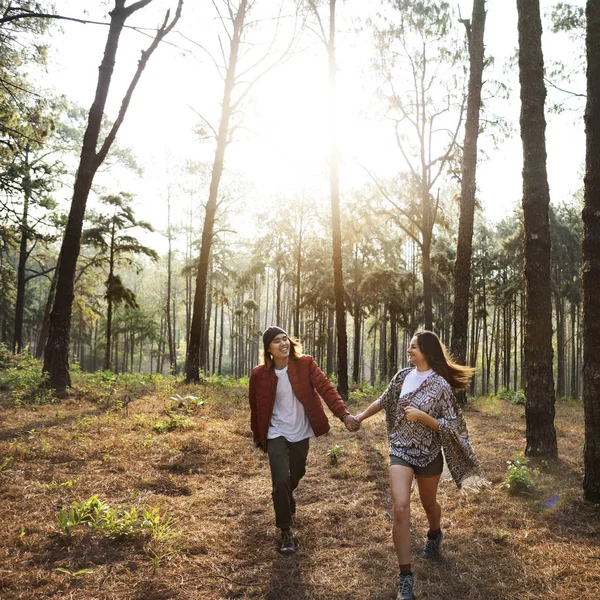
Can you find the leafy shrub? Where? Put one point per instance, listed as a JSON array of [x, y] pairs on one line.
[[115, 523], [22, 377], [520, 478], [174, 422], [334, 454], [517, 397]]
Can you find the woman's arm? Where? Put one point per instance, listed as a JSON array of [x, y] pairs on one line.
[[373, 408], [414, 414]]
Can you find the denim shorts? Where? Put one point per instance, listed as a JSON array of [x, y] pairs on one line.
[[433, 469]]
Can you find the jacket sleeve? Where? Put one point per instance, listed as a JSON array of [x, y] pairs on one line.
[[325, 389], [253, 410]]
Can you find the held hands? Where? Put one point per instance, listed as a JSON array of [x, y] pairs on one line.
[[351, 423]]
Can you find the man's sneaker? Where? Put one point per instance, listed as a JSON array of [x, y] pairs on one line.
[[433, 545], [406, 585], [288, 545]]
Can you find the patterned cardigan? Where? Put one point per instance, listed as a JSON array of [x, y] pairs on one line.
[[417, 443]]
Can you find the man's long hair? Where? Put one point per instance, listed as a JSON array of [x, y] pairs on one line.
[[438, 358]]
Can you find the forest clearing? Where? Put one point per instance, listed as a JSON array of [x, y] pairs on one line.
[[205, 476], [232, 225]]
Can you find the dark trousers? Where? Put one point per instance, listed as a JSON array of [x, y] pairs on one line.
[[288, 465]]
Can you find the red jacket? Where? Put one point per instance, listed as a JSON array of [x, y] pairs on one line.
[[308, 382]]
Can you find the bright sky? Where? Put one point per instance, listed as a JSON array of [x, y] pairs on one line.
[[287, 151]]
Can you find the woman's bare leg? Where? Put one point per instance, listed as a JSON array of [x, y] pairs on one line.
[[400, 483], [428, 493]]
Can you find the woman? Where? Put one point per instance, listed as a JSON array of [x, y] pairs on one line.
[[285, 412], [422, 417]]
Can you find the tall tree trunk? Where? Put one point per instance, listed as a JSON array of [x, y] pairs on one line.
[[560, 345], [539, 389], [464, 248], [427, 288], [39, 349], [221, 340], [330, 333], [196, 352], [591, 266], [23, 255], [336, 228], [169, 279], [109, 298], [56, 354], [357, 348]]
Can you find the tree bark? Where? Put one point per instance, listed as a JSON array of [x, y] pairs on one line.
[[539, 389], [196, 351], [591, 260], [462, 269]]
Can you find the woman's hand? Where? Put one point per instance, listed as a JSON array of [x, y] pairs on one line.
[[414, 414]]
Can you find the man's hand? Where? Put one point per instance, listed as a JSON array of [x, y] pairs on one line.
[[351, 423]]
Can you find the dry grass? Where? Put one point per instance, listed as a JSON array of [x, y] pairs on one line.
[[540, 546]]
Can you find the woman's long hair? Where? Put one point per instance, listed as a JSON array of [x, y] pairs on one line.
[[438, 358], [295, 352]]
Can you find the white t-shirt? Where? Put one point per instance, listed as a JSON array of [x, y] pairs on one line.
[[414, 380], [289, 417]]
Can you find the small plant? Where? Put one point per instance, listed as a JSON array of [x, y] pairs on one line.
[[174, 422], [117, 523], [65, 484], [334, 454], [74, 574], [520, 477], [518, 398], [4, 463]]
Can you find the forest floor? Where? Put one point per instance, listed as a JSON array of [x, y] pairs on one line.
[[213, 537]]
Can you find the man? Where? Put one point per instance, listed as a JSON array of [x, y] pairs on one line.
[[285, 412]]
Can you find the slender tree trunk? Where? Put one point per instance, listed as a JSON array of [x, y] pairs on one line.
[[539, 391], [23, 255], [196, 351], [560, 345], [464, 248], [330, 327], [221, 340], [357, 337], [39, 349], [427, 289], [338, 276], [109, 298], [56, 354], [591, 266], [169, 279]]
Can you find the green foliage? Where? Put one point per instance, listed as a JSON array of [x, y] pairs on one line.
[[175, 422], [116, 523], [366, 392], [334, 454], [520, 478], [22, 379], [65, 484], [517, 398], [567, 17]]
